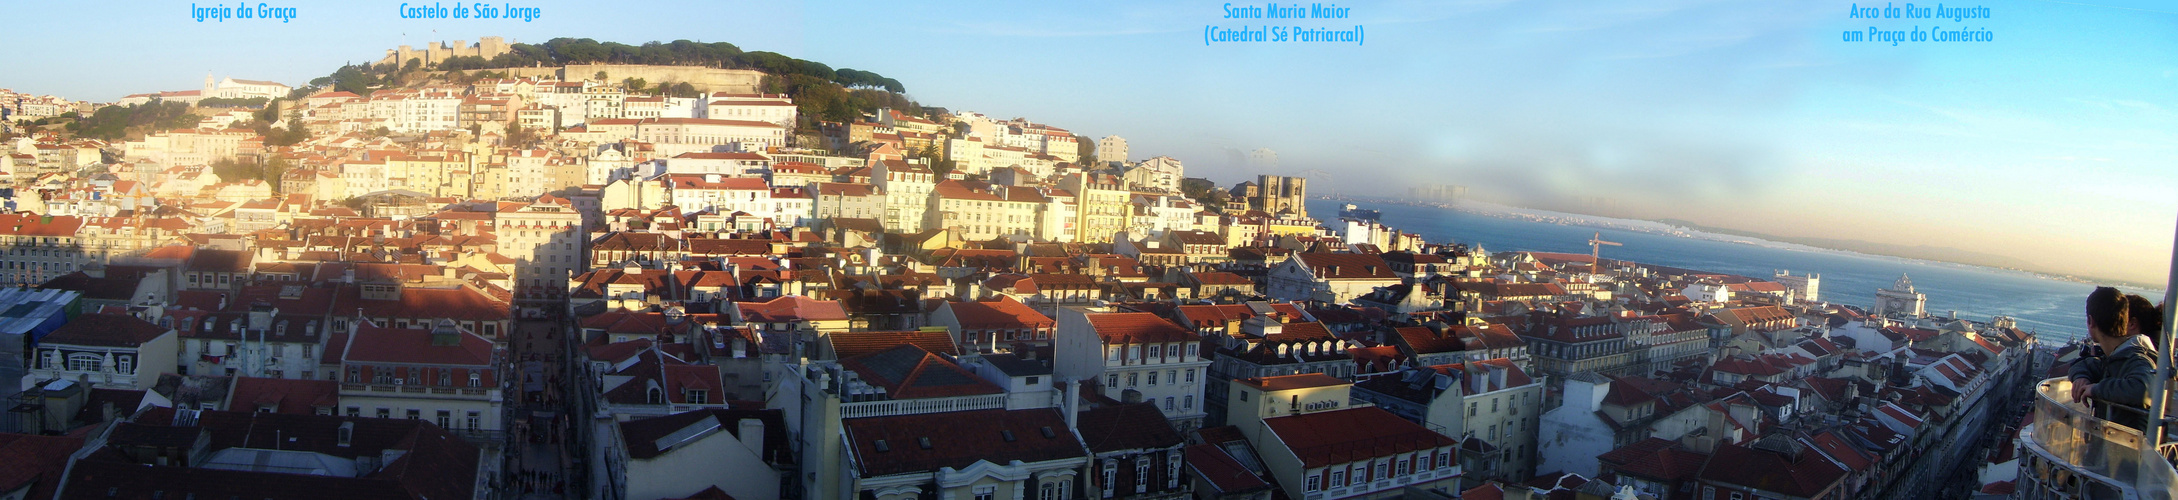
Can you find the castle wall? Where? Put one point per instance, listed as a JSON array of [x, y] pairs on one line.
[[487, 48]]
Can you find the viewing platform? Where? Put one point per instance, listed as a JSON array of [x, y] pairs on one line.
[[2071, 453]]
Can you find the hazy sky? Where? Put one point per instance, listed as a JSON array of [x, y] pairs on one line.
[[2053, 143]]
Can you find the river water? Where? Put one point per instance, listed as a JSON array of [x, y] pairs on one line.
[[2050, 307]]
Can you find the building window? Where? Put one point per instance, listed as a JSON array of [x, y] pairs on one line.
[[1472, 406], [85, 362], [385, 413], [124, 365], [1141, 473], [1338, 478], [446, 419], [1187, 402], [476, 420], [1111, 380], [1152, 378], [355, 412], [1111, 477], [414, 414], [1312, 482]]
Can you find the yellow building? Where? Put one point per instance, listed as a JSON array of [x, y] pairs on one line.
[[1102, 205]]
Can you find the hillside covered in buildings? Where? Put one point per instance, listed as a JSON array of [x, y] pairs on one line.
[[682, 270]]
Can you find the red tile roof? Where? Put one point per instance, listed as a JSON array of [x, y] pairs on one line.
[[1002, 312], [1478, 380], [1341, 436], [414, 345], [1655, 458], [852, 344], [1126, 427], [106, 329], [909, 372], [290, 396], [1806, 475], [1213, 464], [958, 439], [1347, 266], [1132, 328], [1290, 382], [790, 309], [35, 462]]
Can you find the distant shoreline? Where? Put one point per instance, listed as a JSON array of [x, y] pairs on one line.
[[1683, 231]]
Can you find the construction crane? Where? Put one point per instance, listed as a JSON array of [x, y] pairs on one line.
[[1595, 250]]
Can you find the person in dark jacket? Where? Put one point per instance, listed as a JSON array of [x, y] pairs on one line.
[[2116, 383]]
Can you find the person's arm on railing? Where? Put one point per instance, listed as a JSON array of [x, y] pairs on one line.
[[2128, 385], [2085, 371]]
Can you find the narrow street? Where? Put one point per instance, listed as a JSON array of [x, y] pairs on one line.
[[539, 466]]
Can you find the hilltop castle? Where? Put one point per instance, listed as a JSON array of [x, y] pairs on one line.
[[487, 47]]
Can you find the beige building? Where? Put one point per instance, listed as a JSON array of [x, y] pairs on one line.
[[980, 211], [545, 239], [681, 135], [1112, 149], [907, 188], [1102, 205], [38, 248], [777, 109], [443, 374]]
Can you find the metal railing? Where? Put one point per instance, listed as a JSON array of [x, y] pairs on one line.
[[917, 406], [2090, 457]]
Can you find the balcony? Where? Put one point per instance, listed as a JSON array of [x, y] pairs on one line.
[[918, 406], [415, 391], [2070, 453]]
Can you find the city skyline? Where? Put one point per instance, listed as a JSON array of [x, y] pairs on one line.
[[867, 251], [2042, 145]]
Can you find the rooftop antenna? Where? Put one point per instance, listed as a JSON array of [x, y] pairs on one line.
[[1595, 250]]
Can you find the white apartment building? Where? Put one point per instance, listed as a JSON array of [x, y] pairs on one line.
[[1140, 357]]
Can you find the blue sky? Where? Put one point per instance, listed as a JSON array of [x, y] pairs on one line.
[[2053, 143]]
